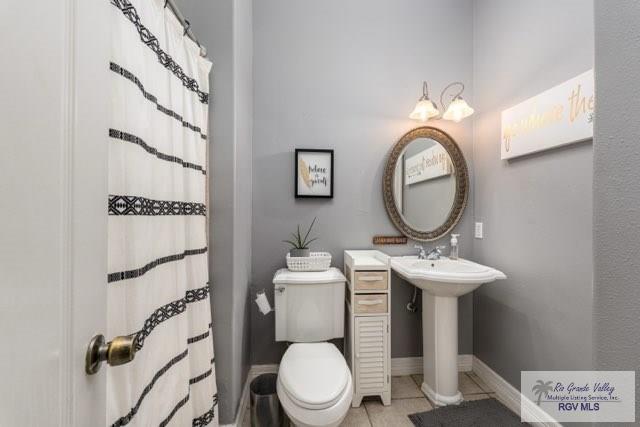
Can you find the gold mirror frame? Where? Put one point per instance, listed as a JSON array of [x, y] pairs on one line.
[[462, 183]]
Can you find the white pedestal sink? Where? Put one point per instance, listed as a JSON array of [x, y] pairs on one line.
[[442, 282]]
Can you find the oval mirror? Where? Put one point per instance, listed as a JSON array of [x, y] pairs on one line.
[[425, 184]]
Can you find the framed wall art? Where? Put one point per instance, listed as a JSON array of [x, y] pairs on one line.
[[313, 170], [558, 116]]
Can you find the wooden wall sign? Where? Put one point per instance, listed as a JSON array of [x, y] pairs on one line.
[[389, 240], [561, 115]]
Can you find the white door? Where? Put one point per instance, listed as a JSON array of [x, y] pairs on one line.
[[53, 209]]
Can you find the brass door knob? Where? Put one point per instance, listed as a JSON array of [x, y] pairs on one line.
[[118, 351]]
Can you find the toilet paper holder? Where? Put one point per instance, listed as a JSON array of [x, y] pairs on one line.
[[263, 302]]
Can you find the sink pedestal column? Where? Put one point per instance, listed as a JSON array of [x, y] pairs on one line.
[[440, 349]]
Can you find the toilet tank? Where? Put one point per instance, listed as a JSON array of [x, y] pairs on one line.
[[309, 305]]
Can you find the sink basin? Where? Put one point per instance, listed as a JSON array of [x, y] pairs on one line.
[[442, 281], [444, 276]]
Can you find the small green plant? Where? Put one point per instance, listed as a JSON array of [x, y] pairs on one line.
[[299, 242]]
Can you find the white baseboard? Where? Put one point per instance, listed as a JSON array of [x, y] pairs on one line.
[[413, 365], [262, 369], [244, 403], [511, 396], [465, 362], [254, 371]]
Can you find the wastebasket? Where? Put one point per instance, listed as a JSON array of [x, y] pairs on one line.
[[266, 410]]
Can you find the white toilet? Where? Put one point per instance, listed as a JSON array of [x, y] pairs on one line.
[[314, 382]]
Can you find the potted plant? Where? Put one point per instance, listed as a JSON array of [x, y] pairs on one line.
[[299, 244]]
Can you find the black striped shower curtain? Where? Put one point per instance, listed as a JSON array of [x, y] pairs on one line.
[[157, 283]]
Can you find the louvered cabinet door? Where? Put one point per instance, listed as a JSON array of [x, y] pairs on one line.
[[371, 354]]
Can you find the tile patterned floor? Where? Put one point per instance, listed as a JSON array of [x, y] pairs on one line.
[[406, 398]]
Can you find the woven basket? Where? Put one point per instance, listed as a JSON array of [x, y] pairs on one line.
[[317, 261]]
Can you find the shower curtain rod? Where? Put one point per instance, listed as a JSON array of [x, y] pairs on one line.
[[187, 26]]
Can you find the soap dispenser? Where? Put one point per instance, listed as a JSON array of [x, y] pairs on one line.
[[454, 246]]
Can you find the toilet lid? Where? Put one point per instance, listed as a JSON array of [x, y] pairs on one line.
[[314, 375]]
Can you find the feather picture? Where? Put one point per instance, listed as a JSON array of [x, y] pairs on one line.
[[313, 173], [304, 172]]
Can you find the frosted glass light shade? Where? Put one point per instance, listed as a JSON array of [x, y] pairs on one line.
[[458, 110], [424, 110]]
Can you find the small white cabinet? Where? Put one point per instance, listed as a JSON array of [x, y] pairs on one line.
[[367, 344]]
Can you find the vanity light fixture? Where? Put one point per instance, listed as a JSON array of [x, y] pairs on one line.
[[426, 109]]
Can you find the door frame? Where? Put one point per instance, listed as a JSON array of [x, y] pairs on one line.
[[84, 190]]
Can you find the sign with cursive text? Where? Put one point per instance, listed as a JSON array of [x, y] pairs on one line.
[[431, 163], [561, 115], [313, 173]]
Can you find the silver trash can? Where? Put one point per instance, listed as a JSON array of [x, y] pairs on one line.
[[266, 410]]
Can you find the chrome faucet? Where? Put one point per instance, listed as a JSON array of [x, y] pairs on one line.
[[422, 254], [435, 253]]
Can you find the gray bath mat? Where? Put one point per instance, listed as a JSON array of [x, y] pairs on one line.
[[476, 413]]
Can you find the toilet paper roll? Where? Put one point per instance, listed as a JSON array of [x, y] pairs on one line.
[[263, 303]]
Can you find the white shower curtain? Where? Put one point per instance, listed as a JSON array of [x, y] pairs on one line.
[[157, 284]]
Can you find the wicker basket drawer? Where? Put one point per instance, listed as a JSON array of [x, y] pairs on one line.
[[371, 280], [370, 303]]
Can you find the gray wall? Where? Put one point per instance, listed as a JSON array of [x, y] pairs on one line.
[[615, 188], [537, 210], [224, 27], [345, 75]]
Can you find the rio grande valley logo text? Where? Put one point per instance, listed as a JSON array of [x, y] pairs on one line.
[[574, 397]]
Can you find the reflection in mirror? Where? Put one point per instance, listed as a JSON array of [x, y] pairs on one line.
[[424, 186]]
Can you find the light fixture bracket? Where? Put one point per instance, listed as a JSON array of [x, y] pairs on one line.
[[425, 92], [457, 95], [443, 107]]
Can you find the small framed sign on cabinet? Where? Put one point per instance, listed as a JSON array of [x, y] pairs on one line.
[[313, 173]]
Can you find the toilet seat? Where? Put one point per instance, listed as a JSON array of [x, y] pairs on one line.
[[314, 384], [314, 375]]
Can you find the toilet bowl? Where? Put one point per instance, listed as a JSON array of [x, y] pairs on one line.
[[314, 385]]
